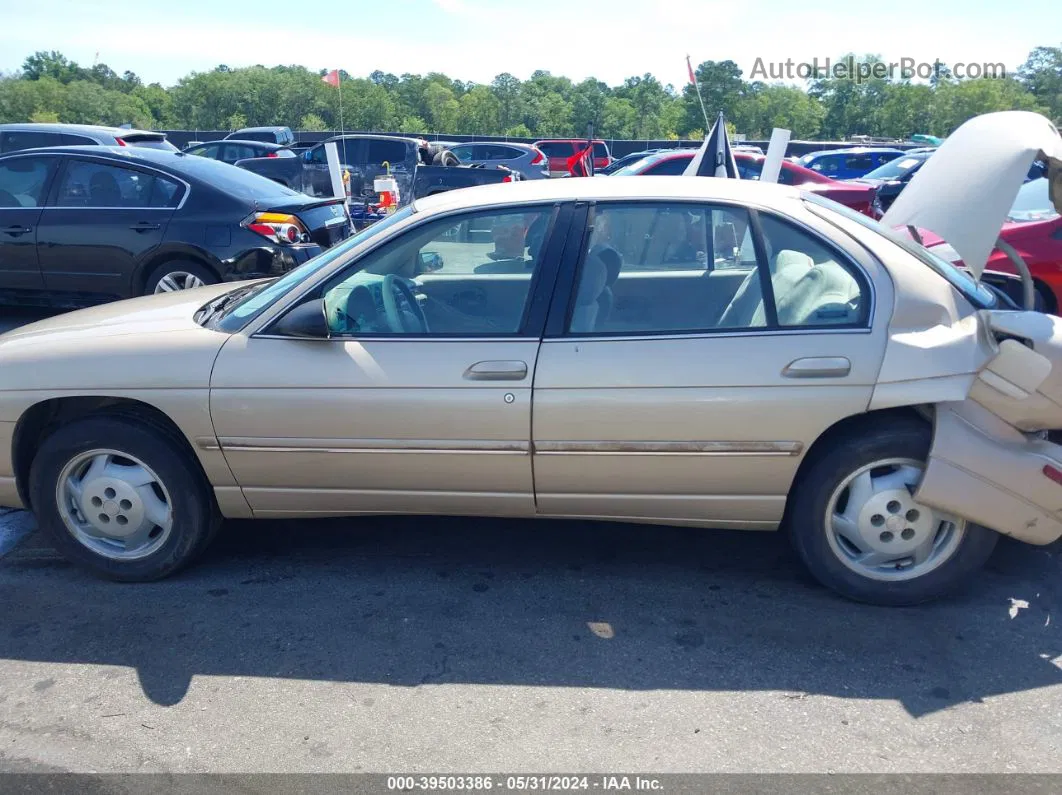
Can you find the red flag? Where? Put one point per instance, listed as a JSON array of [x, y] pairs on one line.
[[689, 68], [580, 163], [332, 78]]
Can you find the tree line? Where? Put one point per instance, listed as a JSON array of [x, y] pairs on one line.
[[51, 88]]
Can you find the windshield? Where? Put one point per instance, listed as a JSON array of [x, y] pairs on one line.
[[896, 169], [243, 312], [974, 292], [1032, 203]]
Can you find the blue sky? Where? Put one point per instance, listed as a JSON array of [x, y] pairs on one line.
[[477, 39]]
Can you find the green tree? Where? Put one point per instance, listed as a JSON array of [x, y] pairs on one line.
[[311, 122], [1041, 75], [721, 89], [443, 108], [479, 112], [506, 89]]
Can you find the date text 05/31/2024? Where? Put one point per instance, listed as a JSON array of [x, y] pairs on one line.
[[522, 783]]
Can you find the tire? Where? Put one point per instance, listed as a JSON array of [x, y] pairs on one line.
[[179, 484], [963, 550], [175, 269]]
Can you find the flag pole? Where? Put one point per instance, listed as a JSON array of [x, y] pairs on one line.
[[339, 81], [697, 88]]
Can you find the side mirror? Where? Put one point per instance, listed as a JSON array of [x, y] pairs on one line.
[[307, 321]]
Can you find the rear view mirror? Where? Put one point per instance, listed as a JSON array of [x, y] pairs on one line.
[[306, 321]]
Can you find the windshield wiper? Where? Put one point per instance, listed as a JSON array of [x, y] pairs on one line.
[[218, 306]]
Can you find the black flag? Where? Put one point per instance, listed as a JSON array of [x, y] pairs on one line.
[[714, 158]]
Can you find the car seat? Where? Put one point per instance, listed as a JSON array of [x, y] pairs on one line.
[[746, 309], [103, 190], [592, 282], [613, 264], [827, 294]]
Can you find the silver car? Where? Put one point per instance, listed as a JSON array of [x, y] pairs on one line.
[[525, 158], [16, 137]]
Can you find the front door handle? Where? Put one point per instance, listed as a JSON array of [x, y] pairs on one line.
[[16, 230], [145, 226], [497, 371], [818, 367]]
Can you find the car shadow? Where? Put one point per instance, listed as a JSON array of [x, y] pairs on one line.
[[414, 601]]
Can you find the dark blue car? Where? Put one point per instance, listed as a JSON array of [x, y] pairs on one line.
[[849, 163]]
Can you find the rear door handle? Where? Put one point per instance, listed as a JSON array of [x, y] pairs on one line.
[[145, 226], [497, 371], [818, 367], [16, 230]]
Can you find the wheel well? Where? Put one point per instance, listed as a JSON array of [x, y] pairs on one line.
[[848, 427], [41, 419], [149, 267]]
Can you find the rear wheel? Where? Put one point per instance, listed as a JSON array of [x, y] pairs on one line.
[[121, 498], [857, 527], [178, 275]]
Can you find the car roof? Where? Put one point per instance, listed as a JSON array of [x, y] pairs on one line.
[[263, 129], [348, 136], [632, 187], [859, 150], [178, 162], [239, 141], [85, 128]]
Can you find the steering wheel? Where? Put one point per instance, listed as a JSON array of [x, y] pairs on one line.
[[401, 306]]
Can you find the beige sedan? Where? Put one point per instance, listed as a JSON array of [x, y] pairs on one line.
[[707, 352]]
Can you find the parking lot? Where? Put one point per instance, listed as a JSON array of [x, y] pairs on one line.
[[416, 644]]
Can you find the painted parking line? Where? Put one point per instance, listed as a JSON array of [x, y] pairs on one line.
[[15, 527]]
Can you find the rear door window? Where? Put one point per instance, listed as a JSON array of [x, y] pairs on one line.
[[17, 140], [87, 183], [380, 151], [22, 181]]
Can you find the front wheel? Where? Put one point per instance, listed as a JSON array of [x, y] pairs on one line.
[[121, 498], [855, 523]]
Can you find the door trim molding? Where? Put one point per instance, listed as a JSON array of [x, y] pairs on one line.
[[290, 445], [695, 448]]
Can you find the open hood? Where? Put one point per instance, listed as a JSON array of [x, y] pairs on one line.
[[965, 190]]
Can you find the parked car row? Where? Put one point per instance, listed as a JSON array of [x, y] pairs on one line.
[[673, 162]]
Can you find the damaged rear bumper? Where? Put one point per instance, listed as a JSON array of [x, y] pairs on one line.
[[984, 470]]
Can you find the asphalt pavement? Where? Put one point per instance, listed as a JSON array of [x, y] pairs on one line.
[[463, 645]]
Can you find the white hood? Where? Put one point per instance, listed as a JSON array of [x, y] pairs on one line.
[[965, 190]]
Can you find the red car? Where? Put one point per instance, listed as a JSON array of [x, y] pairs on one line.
[[858, 197], [1034, 229], [559, 150]]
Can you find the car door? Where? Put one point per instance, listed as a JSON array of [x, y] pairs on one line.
[[24, 183], [102, 220], [667, 390], [383, 419]]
